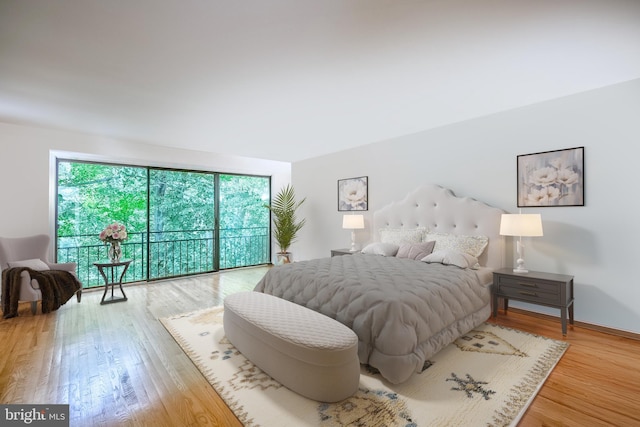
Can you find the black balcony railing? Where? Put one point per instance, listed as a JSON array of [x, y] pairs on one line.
[[166, 254]]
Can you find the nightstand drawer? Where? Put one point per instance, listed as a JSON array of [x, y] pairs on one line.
[[529, 284], [537, 295]]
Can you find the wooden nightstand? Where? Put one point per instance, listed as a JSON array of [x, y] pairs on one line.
[[552, 290], [338, 252]]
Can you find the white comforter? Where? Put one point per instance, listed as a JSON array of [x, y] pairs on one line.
[[402, 310]]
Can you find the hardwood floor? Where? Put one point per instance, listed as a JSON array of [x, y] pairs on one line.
[[116, 364], [596, 383]]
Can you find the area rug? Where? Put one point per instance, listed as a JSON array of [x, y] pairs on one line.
[[487, 377]]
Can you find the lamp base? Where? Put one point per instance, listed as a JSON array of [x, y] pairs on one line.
[[520, 266], [353, 241]]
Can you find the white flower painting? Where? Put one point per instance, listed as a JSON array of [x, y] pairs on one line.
[[353, 194], [551, 178]]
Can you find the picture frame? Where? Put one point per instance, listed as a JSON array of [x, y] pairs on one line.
[[353, 194], [551, 178]]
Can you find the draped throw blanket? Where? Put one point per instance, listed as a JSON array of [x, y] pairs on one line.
[[57, 288]]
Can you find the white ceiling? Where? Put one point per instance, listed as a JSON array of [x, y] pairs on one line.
[[293, 79]]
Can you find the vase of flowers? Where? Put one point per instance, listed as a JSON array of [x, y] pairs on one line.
[[115, 252], [113, 235]]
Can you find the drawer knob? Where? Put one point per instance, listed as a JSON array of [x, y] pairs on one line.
[[529, 285], [531, 294]]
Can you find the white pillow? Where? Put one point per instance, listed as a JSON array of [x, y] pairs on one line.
[[472, 245], [449, 257], [415, 250], [402, 235], [34, 264], [380, 248]]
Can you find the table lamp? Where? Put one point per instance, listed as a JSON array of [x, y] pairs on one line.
[[353, 223], [528, 225]]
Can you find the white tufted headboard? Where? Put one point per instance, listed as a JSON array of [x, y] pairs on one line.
[[439, 210]]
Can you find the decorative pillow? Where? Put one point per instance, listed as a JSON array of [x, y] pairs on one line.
[[472, 245], [415, 250], [379, 248], [34, 264], [402, 235], [449, 257]]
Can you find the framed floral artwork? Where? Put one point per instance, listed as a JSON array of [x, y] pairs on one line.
[[551, 178], [353, 194]]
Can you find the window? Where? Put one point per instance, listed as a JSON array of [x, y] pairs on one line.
[[179, 222], [244, 221]]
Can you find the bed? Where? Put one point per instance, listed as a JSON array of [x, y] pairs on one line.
[[405, 309]]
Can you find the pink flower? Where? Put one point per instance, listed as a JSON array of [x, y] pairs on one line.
[[114, 232]]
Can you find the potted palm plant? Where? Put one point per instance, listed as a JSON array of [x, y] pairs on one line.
[[285, 224]]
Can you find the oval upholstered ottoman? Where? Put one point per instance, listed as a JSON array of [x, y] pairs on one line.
[[304, 350]]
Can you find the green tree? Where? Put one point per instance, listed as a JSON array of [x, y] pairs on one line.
[[181, 207]]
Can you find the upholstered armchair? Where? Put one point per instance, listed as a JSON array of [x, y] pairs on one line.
[[32, 252]]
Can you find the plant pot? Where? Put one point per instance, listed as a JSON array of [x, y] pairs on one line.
[[283, 258]]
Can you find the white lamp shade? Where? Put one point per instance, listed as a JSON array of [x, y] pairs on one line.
[[353, 222], [521, 225]]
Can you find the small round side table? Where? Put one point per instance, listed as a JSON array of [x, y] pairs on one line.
[[110, 278]]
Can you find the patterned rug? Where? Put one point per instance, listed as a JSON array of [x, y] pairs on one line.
[[487, 377]]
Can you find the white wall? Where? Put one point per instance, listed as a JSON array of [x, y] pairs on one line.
[[596, 243], [28, 176]]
